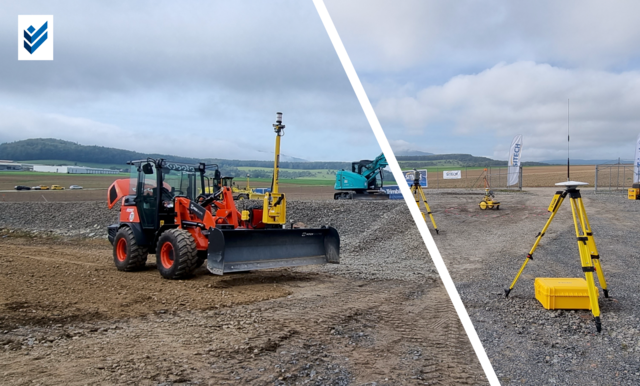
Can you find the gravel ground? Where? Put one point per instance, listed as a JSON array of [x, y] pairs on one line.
[[380, 231], [526, 343], [381, 317]]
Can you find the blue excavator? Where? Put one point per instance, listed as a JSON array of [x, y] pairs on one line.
[[361, 183]]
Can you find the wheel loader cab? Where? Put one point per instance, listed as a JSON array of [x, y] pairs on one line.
[[156, 184]]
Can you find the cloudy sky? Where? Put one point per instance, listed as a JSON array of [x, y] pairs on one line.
[[190, 78], [466, 76]]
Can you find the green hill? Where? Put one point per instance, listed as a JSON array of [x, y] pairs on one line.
[[57, 149], [58, 152], [454, 160]]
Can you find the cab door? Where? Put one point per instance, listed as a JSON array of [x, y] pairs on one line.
[[147, 195]]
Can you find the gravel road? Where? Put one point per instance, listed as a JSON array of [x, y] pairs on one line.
[[527, 344]]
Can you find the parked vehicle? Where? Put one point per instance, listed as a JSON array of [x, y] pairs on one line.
[[44, 187], [57, 187], [75, 187], [22, 187], [35, 187]]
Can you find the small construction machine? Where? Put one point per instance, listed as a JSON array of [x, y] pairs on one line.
[[245, 193], [166, 209], [361, 183], [488, 201], [238, 194]]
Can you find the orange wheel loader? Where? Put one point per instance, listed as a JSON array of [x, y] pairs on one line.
[[165, 210]]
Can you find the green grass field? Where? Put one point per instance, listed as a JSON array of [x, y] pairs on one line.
[[266, 182], [317, 174]]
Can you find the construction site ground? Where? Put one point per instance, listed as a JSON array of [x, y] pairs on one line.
[[381, 317], [527, 344]]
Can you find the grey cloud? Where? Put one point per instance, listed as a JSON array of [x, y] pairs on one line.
[[466, 76], [113, 46], [390, 36], [165, 70], [528, 98]]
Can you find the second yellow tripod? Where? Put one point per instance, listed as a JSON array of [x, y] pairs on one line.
[[418, 194], [589, 256]]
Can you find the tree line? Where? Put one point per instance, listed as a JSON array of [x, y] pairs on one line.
[[57, 149]]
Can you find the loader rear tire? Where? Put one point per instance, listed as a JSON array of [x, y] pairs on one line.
[[176, 254], [127, 254]]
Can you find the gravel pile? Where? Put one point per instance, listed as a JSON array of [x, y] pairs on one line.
[[379, 239]]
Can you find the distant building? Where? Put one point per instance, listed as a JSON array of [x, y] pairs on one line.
[[72, 170], [10, 167]]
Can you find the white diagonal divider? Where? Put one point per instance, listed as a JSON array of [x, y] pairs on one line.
[[406, 192]]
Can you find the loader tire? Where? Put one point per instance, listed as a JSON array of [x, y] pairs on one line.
[[176, 254], [127, 254], [243, 197], [202, 257]]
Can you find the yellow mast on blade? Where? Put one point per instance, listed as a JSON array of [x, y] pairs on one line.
[[274, 208]]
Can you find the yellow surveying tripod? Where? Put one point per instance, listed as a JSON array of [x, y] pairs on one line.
[[586, 245], [415, 189]]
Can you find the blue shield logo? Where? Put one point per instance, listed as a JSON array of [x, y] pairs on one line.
[[34, 39]]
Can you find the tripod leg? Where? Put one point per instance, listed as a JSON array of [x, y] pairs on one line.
[[426, 205], [557, 200], [414, 190], [593, 251], [585, 257]]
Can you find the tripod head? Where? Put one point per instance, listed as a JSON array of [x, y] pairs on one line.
[[416, 178], [571, 185]]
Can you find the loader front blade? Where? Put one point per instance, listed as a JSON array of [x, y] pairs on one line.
[[235, 250]]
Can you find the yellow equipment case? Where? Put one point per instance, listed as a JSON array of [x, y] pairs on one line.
[[634, 192], [562, 293]]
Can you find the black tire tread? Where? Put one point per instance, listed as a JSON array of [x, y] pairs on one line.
[[185, 253], [137, 258]]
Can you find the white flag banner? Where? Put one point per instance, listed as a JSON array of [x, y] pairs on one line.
[[515, 154], [636, 163], [451, 174]]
